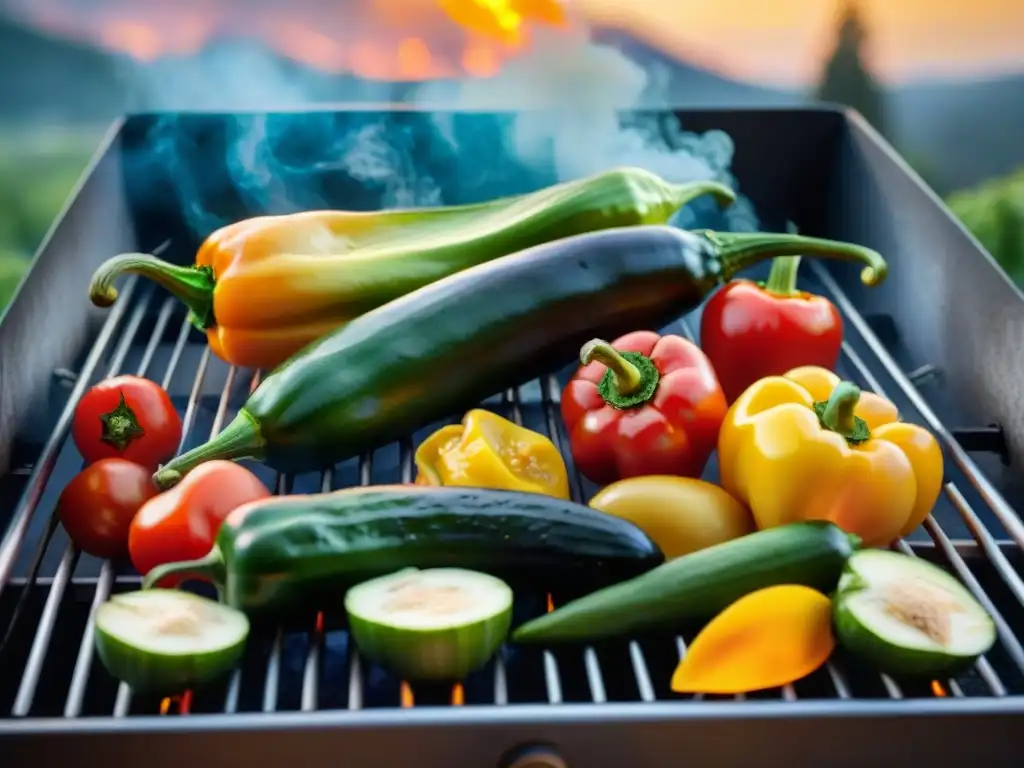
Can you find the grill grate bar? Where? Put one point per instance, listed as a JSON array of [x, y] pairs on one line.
[[552, 679], [14, 536], [355, 676], [987, 542], [643, 677], [311, 671], [999, 506], [44, 629], [235, 683], [80, 676]]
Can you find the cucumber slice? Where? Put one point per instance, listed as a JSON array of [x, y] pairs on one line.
[[436, 624], [165, 640], [908, 617]]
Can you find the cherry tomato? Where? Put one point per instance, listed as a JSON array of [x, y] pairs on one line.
[[129, 418], [97, 507], [182, 523]]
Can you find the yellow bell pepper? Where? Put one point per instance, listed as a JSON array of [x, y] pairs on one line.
[[487, 451], [807, 446]]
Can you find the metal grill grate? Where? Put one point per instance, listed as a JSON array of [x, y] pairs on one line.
[[47, 609]]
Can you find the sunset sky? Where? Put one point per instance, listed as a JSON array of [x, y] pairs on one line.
[[771, 41], [786, 40]]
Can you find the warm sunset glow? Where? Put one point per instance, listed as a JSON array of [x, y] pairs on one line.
[[773, 41]]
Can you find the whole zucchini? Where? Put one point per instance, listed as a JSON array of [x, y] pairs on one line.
[[697, 586], [289, 552], [445, 347]]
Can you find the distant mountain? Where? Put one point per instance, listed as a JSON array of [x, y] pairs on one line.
[[966, 131], [963, 131], [51, 78]]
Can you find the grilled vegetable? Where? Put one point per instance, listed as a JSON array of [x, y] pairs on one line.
[[164, 641], [751, 331], [695, 587], [293, 551], [909, 617], [127, 417], [439, 624], [182, 523], [838, 455], [767, 639], [446, 347], [97, 507], [264, 288], [680, 514], [644, 405], [487, 451]]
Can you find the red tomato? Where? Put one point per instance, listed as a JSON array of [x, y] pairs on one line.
[[182, 523], [97, 507], [129, 418]]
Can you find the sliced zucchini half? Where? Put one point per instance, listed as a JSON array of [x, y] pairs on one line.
[[438, 624], [907, 617], [166, 640]]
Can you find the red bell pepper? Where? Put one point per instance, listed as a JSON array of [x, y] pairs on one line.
[[643, 405], [182, 523], [751, 331]]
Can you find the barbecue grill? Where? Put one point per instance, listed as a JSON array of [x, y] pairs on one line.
[[940, 338]]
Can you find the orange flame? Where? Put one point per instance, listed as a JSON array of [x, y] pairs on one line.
[[551, 603], [458, 695], [938, 690], [406, 696], [399, 40]]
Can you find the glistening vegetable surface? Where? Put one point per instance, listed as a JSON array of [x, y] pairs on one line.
[[292, 552], [445, 347], [488, 451], [751, 331], [438, 624], [908, 617], [264, 288], [806, 446], [695, 587], [642, 405], [163, 641]]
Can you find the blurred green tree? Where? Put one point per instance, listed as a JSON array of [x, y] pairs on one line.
[[994, 213], [845, 79]]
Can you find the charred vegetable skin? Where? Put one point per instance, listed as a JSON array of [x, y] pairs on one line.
[[285, 553], [264, 288], [446, 347]]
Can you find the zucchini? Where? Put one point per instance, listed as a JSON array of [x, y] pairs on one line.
[[283, 553], [909, 618], [445, 347], [697, 586], [165, 640], [439, 624]]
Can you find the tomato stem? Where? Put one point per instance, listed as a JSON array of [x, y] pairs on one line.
[[120, 426]]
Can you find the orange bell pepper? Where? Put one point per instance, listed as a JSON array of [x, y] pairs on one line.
[[807, 446]]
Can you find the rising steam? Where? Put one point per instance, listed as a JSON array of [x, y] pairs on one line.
[[567, 110]]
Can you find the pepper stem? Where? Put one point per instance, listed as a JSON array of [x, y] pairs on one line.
[[631, 378], [681, 194], [210, 566], [627, 376], [740, 250], [241, 439], [193, 286], [837, 413], [782, 277], [120, 426]]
